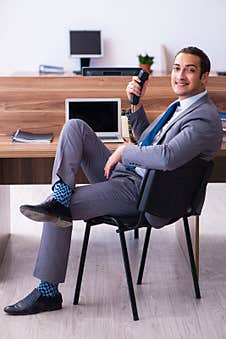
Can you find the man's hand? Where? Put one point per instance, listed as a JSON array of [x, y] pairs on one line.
[[113, 160], [133, 87]]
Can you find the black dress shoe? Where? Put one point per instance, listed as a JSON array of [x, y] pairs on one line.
[[35, 302], [49, 210]]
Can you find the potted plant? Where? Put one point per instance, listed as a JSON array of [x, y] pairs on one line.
[[145, 62]]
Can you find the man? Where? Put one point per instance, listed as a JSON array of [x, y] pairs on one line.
[[194, 130]]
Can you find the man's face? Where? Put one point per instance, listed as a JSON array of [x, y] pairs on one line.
[[185, 76]]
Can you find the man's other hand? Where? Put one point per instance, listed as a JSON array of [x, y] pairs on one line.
[[113, 160]]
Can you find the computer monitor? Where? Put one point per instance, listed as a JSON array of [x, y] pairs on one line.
[[86, 45]]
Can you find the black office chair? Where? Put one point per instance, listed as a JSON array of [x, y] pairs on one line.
[[174, 194]]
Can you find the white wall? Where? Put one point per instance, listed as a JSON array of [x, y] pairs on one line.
[[35, 32]]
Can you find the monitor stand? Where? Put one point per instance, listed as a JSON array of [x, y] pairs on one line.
[[84, 62]]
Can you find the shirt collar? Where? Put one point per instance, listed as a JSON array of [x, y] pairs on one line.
[[184, 104]]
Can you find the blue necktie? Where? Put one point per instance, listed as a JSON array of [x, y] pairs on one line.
[[162, 121], [166, 116]]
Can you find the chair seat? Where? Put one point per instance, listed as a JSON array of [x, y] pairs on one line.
[[125, 223]]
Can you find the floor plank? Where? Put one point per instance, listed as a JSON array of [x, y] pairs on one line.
[[166, 302]]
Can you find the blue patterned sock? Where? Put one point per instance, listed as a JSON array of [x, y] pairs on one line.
[[62, 193], [48, 289]]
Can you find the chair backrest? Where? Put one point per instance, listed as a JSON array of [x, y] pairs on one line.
[[176, 193]]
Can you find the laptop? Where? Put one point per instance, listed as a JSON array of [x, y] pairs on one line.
[[103, 115]]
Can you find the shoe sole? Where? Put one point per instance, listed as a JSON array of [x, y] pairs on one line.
[[49, 309], [39, 216]]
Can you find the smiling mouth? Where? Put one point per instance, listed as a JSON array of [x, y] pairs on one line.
[[181, 83]]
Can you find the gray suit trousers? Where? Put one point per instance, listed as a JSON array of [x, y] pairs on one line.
[[79, 147]]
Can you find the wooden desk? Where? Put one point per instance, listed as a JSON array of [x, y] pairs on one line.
[[32, 163]]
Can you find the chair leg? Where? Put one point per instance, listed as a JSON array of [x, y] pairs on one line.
[[82, 264], [144, 254], [191, 257], [136, 233], [128, 275]]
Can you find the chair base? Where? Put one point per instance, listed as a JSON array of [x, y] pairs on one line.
[[121, 229]]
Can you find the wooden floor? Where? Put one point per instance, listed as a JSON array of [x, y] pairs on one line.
[[166, 302]]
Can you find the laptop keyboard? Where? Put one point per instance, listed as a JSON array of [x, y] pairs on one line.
[[111, 139]]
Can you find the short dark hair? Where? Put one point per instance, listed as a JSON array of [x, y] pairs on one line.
[[204, 60]]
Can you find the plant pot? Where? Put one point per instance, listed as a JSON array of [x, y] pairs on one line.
[[146, 67]]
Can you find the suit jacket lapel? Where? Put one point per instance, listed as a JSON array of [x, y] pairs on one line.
[[180, 116], [150, 127]]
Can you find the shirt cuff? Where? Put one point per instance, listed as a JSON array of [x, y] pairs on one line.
[[129, 113]]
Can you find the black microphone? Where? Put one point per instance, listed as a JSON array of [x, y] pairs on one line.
[[143, 76]]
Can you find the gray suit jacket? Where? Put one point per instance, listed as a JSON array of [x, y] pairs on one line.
[[195, 132]]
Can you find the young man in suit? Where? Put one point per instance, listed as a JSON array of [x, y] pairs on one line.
[[194, 130]]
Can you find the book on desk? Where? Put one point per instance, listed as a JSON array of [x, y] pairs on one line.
[[28, 137], [223, 121], [50, 69]]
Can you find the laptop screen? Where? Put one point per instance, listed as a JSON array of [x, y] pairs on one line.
[[103, 115]]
